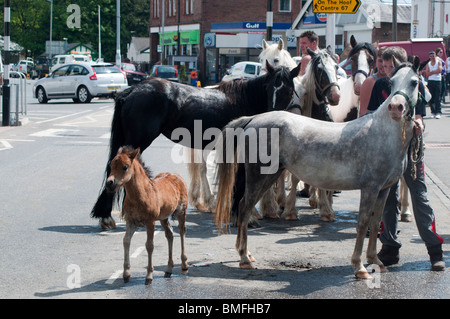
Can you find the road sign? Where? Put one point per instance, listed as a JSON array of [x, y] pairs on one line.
[[336, 6]]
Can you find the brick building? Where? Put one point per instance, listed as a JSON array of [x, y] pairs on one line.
[[211, 35]]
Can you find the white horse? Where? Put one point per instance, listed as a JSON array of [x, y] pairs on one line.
[[320, 77], [368, 153]]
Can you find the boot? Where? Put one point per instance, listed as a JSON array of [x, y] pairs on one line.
[[437, 262], [389, 255]]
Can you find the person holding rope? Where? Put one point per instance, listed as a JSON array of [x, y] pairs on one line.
[[423, 212]]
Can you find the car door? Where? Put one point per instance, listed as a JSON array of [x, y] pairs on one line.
[[75, 77], [57, 81]]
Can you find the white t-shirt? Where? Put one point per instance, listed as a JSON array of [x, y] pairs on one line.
[[434, 77]]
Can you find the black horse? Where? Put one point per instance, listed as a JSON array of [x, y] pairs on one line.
[[156, 106]]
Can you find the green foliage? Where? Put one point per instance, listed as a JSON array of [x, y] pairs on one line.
[[30, 23]]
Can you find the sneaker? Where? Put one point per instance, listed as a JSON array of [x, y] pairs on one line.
[[433, 115], [437, 262], [438, 116], [389, 255]]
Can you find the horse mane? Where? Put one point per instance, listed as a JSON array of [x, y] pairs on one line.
[[129, 149], [242, 91], [309, 83], [363, 45]]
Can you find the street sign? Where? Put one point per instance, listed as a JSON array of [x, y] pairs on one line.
[[336, 6]]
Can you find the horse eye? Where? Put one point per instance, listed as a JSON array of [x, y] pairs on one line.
[[125, 167]]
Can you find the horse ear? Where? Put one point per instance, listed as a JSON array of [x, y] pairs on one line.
[[120, 150], [265, 44], [295, 71], [353, 41], [269, 67], [311, 52], [133, 154], [416, 64], [280, 44]]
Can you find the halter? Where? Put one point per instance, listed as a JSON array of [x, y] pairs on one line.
[[408, 100], [360, 71], [320, 89]]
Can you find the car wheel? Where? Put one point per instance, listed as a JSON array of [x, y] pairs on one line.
[[83, 95], [41, 96]]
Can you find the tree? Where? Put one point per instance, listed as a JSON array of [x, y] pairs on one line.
[[30, 23]]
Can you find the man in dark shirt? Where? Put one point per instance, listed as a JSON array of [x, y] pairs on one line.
[[423, 213]]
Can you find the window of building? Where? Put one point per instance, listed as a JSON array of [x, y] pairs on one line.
[[189, 6], [285, 5], [155, 8]]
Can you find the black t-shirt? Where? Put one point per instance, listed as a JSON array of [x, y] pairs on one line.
[[382, 89]]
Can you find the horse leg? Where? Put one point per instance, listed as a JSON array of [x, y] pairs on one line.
[[326, 213], [169, 236], [313, 197], [194, 186], [368, 199], [256, 185], [150, 226], [374, 226], [290, 212], [268, 206], [181, 216], [281, 192], [207, 194], [130, 229], [405, 212]]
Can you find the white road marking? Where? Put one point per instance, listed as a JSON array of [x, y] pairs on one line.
[[62, 117], [6, 145]]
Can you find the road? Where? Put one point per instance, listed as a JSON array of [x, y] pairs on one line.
[[51, 172]]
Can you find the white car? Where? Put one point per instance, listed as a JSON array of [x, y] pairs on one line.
[[243, 70], [81, 82]]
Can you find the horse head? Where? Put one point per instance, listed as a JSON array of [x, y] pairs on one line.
[[276, 55], [280, 86], [121, 169], [324, 69], [405, 91], [363, 57]]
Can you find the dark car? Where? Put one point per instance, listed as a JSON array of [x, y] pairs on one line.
[[133, 75], [167, 72]]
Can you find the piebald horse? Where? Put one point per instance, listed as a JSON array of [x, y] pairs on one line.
[[369, 153]]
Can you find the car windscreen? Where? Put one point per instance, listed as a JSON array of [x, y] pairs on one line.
[[165, 71], [105, 69]]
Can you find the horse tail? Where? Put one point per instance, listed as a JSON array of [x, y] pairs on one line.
[[103, 207], [226, 169]]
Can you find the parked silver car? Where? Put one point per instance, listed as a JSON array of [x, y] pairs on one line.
[[80, 81]]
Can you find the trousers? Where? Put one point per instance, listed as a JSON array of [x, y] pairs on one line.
[[423, 213]]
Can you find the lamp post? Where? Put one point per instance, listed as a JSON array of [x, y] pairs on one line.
[[51, 29], [6, 87]]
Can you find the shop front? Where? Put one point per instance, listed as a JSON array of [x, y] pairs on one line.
[[229, 43]]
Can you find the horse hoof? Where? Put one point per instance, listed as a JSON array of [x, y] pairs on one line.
[[245, 265], [291, 217], [126, 279], [167, 274], [184, 271], [328, 219], [201, 208], [148, 281], [107, 223], [362, 275]]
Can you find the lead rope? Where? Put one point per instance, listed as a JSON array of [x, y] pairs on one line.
[[416, 150]]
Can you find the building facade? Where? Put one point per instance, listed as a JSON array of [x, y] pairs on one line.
[[210, 36]]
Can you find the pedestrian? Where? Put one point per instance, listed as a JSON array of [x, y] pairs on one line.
[[433, 73], [440, 54], [367, 86], [308, 39], [448, 72], [423, 212]]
